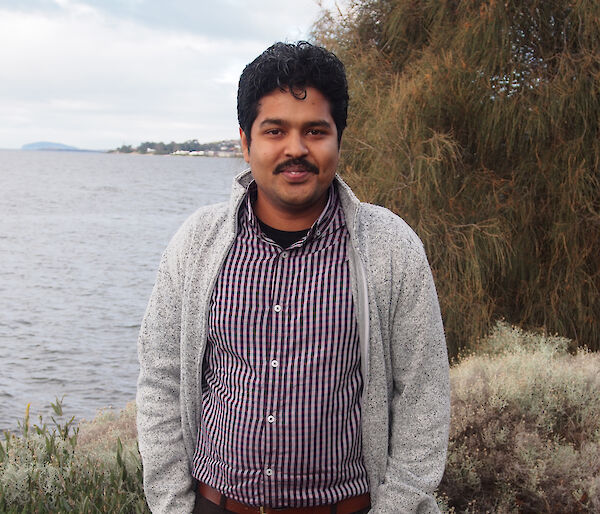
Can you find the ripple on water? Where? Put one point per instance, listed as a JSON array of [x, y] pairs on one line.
[[78, 260]]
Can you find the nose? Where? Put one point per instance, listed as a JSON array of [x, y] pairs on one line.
[[295, 146]]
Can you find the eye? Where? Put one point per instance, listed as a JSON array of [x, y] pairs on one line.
[[274, 132], [315, 132]]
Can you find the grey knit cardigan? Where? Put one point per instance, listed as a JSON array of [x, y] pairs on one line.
[[405, 403]]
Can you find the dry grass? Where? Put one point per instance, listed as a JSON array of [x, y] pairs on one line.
[[98, 438], [525, 432]]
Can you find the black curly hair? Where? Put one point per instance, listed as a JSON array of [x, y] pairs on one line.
[[293, 67]]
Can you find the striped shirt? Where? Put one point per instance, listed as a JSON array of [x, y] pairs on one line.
[[282, 380]]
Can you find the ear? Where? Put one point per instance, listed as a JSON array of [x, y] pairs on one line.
[[245, 145]]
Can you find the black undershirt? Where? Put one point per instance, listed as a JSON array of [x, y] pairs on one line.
[[283, 238]]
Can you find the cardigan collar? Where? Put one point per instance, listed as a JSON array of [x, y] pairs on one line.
[[350, 203]]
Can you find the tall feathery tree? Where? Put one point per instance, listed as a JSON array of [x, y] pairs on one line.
[[478, 122]]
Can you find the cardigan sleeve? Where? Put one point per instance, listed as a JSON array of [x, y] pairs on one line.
[[167, 477], [420, 399]]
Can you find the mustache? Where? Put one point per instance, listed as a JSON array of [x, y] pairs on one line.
[[303, 163]]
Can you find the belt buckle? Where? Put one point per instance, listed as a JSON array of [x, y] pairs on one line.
[[261, 510]]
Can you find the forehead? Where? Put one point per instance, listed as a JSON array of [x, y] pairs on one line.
[[306, 103]]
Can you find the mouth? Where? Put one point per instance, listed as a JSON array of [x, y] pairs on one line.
[[296, 168], [294, 172]]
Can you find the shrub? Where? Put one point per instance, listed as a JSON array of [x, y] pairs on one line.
[[525, 437], [525, 431], [45, 470], [478, 122]]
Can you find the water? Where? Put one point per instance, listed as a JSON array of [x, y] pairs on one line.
[[81, 236]]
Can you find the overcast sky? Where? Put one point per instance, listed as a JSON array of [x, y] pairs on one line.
[[97, 74]]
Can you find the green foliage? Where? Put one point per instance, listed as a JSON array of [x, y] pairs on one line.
[[42, 470], [479, 123], [525, 433], [124, 149]]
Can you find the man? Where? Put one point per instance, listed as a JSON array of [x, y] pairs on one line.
[[292, 355]]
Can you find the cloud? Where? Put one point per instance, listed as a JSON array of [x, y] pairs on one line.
[[131, 70]]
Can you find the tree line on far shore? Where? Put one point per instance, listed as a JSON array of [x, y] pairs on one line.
[[192, 145]]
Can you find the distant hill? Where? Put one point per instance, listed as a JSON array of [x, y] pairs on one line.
[[45, 145]]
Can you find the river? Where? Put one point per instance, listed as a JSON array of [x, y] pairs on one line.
[[81, 236]]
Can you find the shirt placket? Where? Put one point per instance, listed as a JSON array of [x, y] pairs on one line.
[[275, 364]]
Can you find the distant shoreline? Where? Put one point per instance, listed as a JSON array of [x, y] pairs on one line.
[[219, 154], [182, 153], [191, 147]]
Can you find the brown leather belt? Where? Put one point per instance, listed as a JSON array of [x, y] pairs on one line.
[[346, 506]]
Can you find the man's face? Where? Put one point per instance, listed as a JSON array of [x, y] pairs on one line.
[[293, 156]]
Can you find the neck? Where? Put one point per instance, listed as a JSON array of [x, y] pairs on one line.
[[288, 219]]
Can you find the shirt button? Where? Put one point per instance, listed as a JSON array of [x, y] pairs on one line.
[[277, 308], [268, 472], [271, 419], [274, 363], [284, 255]]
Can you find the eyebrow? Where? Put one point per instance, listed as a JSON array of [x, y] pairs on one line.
[[279, 121]]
